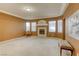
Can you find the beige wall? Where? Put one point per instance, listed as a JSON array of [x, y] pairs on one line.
[[70, 10], [11, 27]]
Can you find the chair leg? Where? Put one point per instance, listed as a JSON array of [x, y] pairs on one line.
[[60, 52], [71, 53]]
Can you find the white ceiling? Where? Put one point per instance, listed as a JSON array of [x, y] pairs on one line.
[[38, 10]]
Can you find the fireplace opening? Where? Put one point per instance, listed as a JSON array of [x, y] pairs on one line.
[[42, 31]]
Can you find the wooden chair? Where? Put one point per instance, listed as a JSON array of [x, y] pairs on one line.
[[28, 33]]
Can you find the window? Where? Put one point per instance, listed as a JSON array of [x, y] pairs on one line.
[[33, 26], [52, 26], [60, 27], [27, 26]]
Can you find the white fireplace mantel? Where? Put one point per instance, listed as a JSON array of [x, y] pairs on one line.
[[42, 23]]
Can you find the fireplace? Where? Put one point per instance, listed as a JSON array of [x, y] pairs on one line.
[[42, 31]]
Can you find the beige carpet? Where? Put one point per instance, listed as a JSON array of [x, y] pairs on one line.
[[30, 46]]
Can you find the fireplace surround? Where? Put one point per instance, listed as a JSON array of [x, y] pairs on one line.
[[42, 31]]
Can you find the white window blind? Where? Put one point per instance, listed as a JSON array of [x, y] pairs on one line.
[[27, 26], [60, 25], [52, 26], [33, 26]]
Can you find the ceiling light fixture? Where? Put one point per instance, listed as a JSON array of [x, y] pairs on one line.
[[27, 9]]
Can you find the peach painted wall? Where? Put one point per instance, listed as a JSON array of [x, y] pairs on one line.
[[11, 27]]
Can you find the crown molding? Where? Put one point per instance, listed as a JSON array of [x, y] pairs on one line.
[[11, 14], [63, 8]]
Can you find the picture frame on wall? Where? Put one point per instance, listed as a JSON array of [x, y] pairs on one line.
[[73, 25]]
